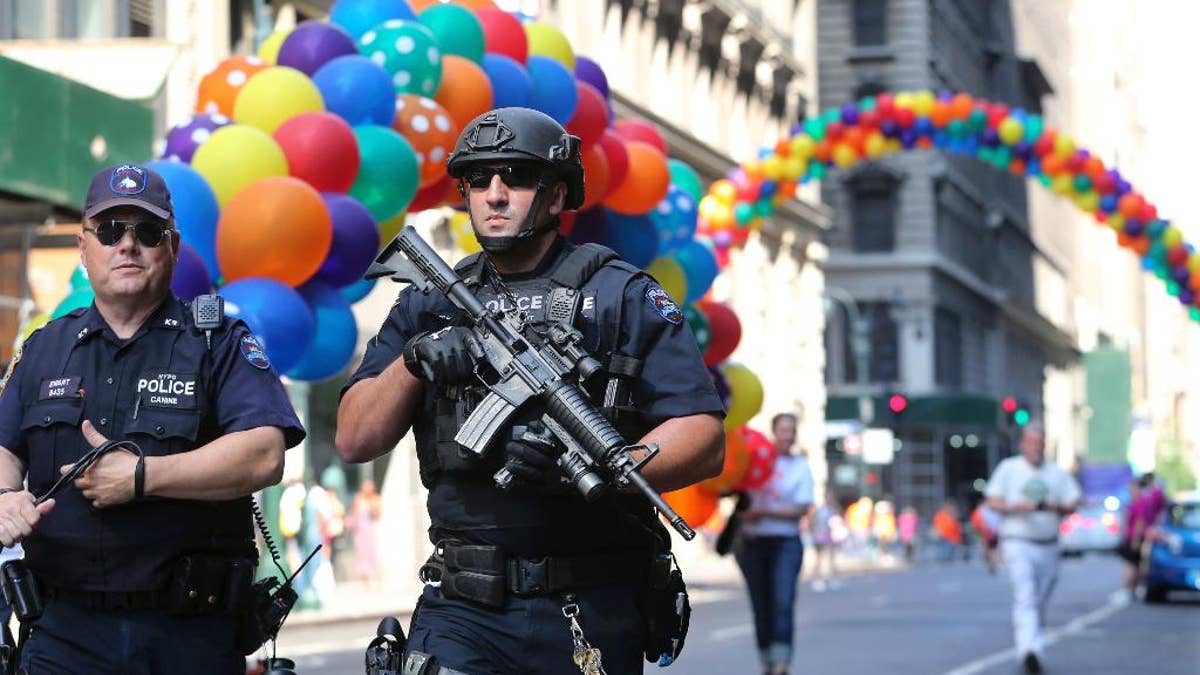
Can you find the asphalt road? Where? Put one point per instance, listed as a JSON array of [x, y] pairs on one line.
[[936, 620]]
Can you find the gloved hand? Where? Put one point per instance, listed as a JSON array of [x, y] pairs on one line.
[[532, 454], [442, 356]]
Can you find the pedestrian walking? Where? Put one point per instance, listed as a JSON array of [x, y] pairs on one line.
[[1032, 495], [947, 531], [824, 524], [365, 512], [906, 529]]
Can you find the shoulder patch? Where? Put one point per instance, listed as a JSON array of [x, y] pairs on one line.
[[254, 352], [663, 304], [12, 365]]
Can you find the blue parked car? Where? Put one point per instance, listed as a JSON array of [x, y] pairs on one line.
[[1175, 555]]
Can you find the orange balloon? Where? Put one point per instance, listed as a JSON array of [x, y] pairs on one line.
[[595, 176], [737, 460], [431, 131], [277, 228], [694, 503], [465, 91], [646, 182], [219, 89]]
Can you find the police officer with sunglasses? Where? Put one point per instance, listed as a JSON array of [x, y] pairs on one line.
[[512, 568], [144, 563]]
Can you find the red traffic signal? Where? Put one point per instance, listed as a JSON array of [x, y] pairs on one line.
[[897, 403], [1009, 405]]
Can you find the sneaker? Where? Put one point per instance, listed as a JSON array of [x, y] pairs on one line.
[[1032, 665]]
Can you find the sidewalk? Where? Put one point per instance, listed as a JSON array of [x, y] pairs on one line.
[[352, 601]]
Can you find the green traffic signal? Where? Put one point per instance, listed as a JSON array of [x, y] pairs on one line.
[[1021, 417]]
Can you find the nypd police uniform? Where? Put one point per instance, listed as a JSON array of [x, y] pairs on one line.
[[506, 616], [102, 571]]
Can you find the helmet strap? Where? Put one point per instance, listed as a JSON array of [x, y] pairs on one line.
[[528, 230]]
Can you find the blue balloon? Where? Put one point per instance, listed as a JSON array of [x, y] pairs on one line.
[[355, 241], [196, 209], [699, 268], [190, 278], [357, 290], [589, 226], [554, 91], [332, 345], [358, 90], [663, 218], [632, 237], [360, 16], [276, 313], [685, 216], [512, 86]]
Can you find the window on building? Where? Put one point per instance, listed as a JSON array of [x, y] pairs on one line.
[[947, 344], [874, 215], [27, 20], [884, 340], [869, 88], [870, 23]]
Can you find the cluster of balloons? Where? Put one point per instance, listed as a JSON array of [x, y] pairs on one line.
[[1009, 139]]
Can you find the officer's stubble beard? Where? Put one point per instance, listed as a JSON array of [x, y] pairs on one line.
[[526, 254]]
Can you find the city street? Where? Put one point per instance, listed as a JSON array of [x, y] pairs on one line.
[[934, 620]]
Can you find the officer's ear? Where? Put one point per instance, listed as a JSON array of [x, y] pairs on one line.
[[558, 197]]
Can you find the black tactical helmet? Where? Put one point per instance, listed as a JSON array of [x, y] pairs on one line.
[[521, 135]]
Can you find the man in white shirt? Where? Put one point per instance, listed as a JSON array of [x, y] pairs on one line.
[[1032, 495]]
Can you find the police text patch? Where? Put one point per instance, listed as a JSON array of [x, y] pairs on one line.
[[664, 305], [166, 389], [59, 387], [254, 352]]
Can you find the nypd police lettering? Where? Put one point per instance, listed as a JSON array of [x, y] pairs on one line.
[[527, 303], [170, 390]]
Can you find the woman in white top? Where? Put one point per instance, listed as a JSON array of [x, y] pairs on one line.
[[770, 553]]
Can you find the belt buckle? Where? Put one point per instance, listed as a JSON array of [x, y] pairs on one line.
[[532, 576]]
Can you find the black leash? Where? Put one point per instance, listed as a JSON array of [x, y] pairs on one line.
[[90, 458]]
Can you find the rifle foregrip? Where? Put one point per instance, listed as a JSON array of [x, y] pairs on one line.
[[568, 406]]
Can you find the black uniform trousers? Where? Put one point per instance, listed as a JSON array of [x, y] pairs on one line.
[[530, 635]]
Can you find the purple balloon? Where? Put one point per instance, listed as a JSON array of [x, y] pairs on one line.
[[1180, 274], [587, 70], [355, 241], [191, 276], [1186, 296], [183, 139], [313, 44], [590, 226]]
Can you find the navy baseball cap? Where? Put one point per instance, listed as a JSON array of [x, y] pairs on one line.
[[128, 185]]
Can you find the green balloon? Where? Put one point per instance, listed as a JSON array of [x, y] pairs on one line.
[[764, 208], [388, 173], [409, 52], [866, 103], [1033, 128], [79, 278], [1157, 252], [80, 297], [815, 127], [698, 322], [1155, 228], [956, 128], [685, 178], [1194, 313], [743, 213], [816, 170], [1172, 288], [457, 30], [1083, 183]]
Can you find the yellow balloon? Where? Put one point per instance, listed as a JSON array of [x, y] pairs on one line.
[[1193, 263], [773, 167], [268, 51], [391, 227], [1116, 221], [670, 276], [1063, 183], [1172, 236], [745, 394], [235, 156], [803, 146], [275, 95], [875, 145], [1011, 130], [923, 103], [794, 168], [1088, 201], [34, 323], [547, 40], [844, 155], [463, 234], [1064, 147]]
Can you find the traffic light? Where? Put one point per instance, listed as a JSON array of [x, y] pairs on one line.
[[897, 403], [1016, 412]]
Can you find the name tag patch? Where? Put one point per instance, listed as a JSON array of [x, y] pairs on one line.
[[60, 387], [166, 389]]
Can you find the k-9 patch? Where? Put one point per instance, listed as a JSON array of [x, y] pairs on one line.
[[664, 305], [254, 352]]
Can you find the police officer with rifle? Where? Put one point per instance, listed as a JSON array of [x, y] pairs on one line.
[[552, 391]]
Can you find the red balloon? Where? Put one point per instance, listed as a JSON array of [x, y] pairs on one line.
[[1130, 205], [617, 155], [1149, 212], [566, 222], [905, 117], [726, 331], [641, 130], [431, 195], [1177, 255], [321, 150], [591, 114], [503, 34], [762, 459]]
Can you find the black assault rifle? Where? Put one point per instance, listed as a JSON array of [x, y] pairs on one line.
[[549, 371]]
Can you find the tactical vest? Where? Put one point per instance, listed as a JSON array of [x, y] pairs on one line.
[[569, 295]]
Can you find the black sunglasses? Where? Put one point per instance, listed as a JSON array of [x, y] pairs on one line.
[[147, 232], [517, 177]]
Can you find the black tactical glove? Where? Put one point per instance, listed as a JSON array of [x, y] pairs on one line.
[[532, 454], [443, 356]]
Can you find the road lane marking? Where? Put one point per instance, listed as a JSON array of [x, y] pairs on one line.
[[1071, 628], [731, 632]]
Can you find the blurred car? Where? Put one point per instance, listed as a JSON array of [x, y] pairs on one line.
[[1093, 527], [1175, 554]]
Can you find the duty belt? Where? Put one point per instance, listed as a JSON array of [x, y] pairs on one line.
[[485, 574], [106, 600]]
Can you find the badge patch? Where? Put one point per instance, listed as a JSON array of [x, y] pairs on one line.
[[127, 180], [60, 387], [165, 389], [664, 305], [254, 352]]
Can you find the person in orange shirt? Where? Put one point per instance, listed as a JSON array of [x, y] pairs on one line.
[[948, 530]]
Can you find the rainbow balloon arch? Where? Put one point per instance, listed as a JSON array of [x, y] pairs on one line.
[[299, 162]]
